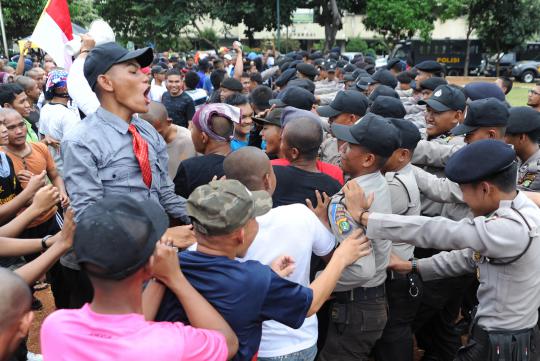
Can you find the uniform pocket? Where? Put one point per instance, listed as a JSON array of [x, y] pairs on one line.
[[114, 179]]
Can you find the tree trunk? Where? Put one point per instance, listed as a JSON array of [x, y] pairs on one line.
[[498, 66], [332, 24], [467, 52]]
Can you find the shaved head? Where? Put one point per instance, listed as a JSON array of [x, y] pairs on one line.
[[15, 298], [156, 113], [304, 134], [248, 165]]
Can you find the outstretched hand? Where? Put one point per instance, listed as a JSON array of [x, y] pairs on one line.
[[321, 210], [356, 200]]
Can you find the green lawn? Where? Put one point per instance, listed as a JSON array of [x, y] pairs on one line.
[[518, 95]]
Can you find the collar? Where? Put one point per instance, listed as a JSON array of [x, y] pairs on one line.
[[517, 202], [535, 156], [113, 120], [368, 177]]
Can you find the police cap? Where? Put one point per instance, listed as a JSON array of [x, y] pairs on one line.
[[385, 77], [307, 69], [346, 101], [408, 132], [429, 66], [488, 112], [523, 120], [388, 107], [444, 98]]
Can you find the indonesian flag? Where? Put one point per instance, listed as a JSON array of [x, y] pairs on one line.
[[53, 30]]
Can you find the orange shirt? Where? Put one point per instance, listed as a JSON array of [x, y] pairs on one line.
[[37, 161]]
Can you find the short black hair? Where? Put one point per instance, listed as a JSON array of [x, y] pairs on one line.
[[236, 99], [173, 71], [8, 93], [256, 77], [260, 97], [216, 77], [507, 83], [217, 62], [504, 180], [404, 77], [380, 161], [245, 74], [191, 80]]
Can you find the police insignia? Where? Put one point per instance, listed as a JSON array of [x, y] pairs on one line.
[[344, 226], [477, 256], [527, 180]]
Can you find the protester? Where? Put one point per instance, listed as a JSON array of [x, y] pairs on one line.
[[179, 104], [534, 98], [241, 130], [12, 96], [157, 87]]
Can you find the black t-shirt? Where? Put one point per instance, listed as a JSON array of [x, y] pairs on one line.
[[194, 172], [294, 185], [180, 108], [9, 188]]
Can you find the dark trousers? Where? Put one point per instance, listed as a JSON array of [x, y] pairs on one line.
[[354, 328], [73, 288], [396, 342], [434, 325]]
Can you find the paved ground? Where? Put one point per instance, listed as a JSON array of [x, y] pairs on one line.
[[45, 296]]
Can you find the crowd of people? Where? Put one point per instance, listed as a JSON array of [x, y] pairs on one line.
[[295, 206]]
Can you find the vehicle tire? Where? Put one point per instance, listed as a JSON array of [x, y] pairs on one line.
[[454, 72], [528, 76]]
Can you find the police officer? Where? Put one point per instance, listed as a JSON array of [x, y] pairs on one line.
[[523, 132], [347, 107], [359, 307], [403, 290], [501, 245], [427, 69], [307, 71]]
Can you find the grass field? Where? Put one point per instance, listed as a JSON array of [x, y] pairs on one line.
[[518, 95]]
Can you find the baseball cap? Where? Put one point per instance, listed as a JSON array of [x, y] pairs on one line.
[[488, 112], [363, 83], [118, 234], [479, 160], [388, 107], [483, 90], [285, 77], [295, 97], [232, 84], [385, 77], [444, 98], [431, 83], [382, 90], [158, 69], [303, 83], [307, 69], [523, 120], [104, 56], [223, 206], [374, 132], [346, 101], [408, 133], [273, 117]]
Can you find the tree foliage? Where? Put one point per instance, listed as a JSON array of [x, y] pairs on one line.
[[398, 19], [21, 16]]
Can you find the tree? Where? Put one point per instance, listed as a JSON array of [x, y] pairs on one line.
[[82, 12], [505, 24], [398, 19], [20, 17]]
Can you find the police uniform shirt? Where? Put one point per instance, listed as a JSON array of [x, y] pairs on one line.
[[369, 271], [528, 179], [508, 295], [329, 151], [405, 200]]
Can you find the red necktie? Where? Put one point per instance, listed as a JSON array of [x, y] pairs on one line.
[[140, 148]]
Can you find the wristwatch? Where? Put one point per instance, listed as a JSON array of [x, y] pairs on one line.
[[414, 262], [44, 242]]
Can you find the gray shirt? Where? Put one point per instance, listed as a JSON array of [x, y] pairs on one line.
[[99, 161], [528, 179], [369, 271], [509, 296]]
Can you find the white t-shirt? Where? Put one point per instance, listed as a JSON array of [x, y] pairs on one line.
[[291, 230], [56, 119], [156, 92]]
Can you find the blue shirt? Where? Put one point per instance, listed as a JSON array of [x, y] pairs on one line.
[[202, 79], [237, 144], [245, 294]]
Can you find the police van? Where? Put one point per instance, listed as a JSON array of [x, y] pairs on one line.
[[450, 53]]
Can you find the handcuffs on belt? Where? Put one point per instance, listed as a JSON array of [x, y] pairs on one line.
[[414, 291]]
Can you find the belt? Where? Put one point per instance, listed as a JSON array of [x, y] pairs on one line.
[[392, 275], [360, 294]]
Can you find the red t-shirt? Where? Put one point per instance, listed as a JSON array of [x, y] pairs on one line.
[[326, 168]]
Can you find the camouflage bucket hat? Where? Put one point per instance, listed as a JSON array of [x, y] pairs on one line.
[[222, 206]]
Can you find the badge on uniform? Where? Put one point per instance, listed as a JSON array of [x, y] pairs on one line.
[[527, 180], [339, 216], [344, 226]]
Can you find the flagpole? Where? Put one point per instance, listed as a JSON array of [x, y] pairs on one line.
[[3, 31]]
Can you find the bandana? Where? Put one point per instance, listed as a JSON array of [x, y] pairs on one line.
[[203, 118], [56, 79]]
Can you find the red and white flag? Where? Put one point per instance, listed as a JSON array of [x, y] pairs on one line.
[[53, 30]]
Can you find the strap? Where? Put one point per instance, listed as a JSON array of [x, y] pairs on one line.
[[410, 203], [497, 262]]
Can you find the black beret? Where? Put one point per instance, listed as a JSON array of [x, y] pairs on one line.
[[303, 83], [479, 160], [429, 66], [392, 62], [483, 90], [523, 120], [349, 68], [231, 84], [307, 69], [294, 63], [369, 60], [432, 83], [488, 112], [373, 132], [316, 55], [285, 66], [385, 77], [388, 107], [285, 77], [408, 132]]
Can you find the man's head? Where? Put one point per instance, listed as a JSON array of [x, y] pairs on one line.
[[216, 77], [301, 139], [157, 116], [223, 215], [260, 97], [15, 308], [395, 66], [523, 130], [119, 223], [31, 88], [486, 173], [175, 82], [347, 107], [251, 167], [404, 80], [229, 86], [12, 96], [533, 99], [483, 90], [241, 101], [429, 85], [115, 75], [4, 135], [246, 82], [505, 83], [158, 73], [384, 77], [409, 137], [213, 123], [444, 110], [367, 144], [426, 70], [485, 119], [56, 85], [296, 97], [191, 80], [307, 71], [271, 130], [38, 75], [255, 80]]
